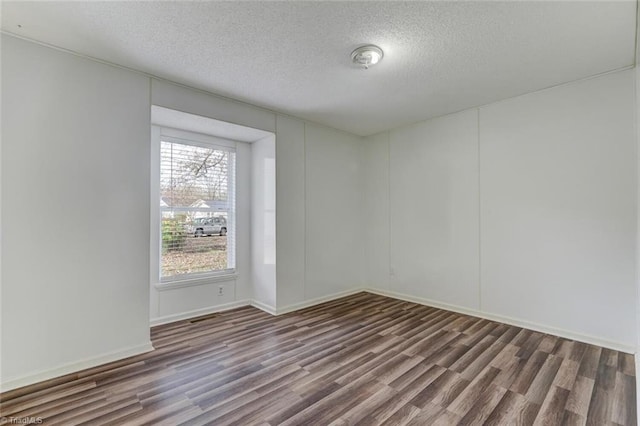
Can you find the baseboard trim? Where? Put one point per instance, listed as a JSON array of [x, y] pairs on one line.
[[256, 304], [593, 340], [74, 367], [637, 359], [199, 312], [264, 307], [317, 301]]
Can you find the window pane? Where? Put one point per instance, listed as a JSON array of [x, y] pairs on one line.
[[193, 242], [193, 176], [197, 202]]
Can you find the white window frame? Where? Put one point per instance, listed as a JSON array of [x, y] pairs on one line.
[[162, 133]]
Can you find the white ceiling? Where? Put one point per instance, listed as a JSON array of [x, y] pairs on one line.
[[293, 57]]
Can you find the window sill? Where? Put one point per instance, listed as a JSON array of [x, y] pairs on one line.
[[192, 282]]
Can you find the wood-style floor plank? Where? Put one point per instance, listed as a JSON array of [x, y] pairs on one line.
[[363, 359]]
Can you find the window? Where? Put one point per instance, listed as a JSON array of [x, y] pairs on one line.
[[197, 207]]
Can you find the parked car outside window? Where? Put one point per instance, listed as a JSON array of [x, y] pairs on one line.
[[216, 225]]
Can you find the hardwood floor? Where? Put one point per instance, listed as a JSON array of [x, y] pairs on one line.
[[363, 359]]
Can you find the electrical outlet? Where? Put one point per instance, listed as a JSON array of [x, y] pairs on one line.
[[221, 290]]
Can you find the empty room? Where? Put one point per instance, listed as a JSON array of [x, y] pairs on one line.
[[319, 213]]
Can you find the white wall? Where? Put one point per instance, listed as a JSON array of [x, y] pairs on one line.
[[421, 210], [434, 209], [334, 253], [75, 209], [263, 222], [558, 189], [243, 288], [290, 205], [556, 212], [319, 222], [376, 209], [185, 99]]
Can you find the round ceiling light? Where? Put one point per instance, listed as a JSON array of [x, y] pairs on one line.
[[367, 56]]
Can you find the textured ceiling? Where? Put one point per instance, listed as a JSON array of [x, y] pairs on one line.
[[293, 57]]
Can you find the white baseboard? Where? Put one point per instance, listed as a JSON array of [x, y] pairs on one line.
[[256, 304], [264, 307], [637, 359], [317, 301], [74, 367], [199, 312], [593, 340]]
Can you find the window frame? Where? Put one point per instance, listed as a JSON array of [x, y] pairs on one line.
[[167, 134]]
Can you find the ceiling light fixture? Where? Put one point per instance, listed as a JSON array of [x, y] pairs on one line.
[[367, 56]]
